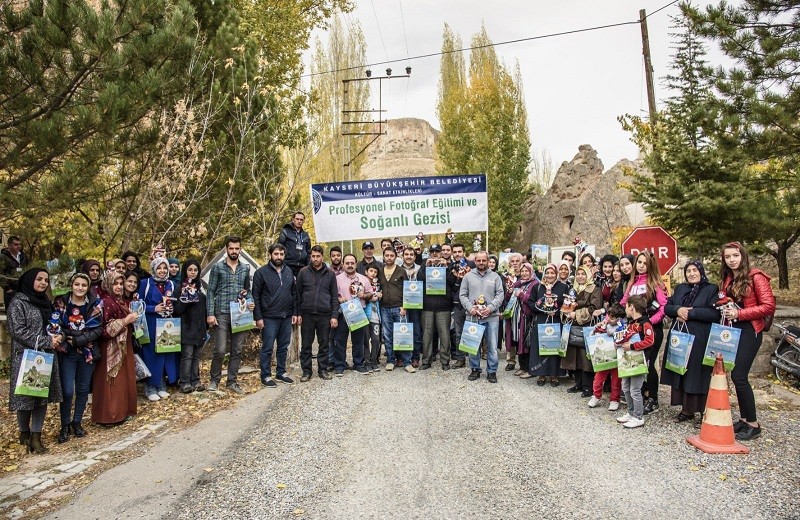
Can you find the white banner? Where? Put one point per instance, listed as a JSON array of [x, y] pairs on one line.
[[399, 207]]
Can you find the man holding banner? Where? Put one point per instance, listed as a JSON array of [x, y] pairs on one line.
[[357, 288], [481, 295]]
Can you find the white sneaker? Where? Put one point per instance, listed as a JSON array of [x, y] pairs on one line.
[[389, 367], [410, 369], [163, 395], [624, 418], [153, 397], [613, 406], [634, 423], [593, 402]]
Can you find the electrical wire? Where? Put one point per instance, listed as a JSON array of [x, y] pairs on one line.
[[497, 44], [380, 33], [405, 37]]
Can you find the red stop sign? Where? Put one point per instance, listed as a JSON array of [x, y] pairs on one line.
[[655, 240]]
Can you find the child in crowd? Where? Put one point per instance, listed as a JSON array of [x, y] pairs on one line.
[[612, 322], [373, 312], [636, 310]]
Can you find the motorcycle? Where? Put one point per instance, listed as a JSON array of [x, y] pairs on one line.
[[786, 358]]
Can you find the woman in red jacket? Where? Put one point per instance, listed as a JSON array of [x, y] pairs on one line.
[[751, 291]]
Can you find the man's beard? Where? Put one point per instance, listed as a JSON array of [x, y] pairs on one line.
[[277, 262]]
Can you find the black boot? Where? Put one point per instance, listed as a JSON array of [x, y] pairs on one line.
[[25, 438], [35, 445], [63, 435], [77, 429], [578, 386]]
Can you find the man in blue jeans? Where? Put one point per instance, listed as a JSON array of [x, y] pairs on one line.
[[481, 295], [356, 288], [391, 278], [274, 295]]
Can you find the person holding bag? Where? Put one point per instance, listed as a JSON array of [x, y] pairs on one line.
[[647, 281], [544, 303], [81, 321], [156, 293], [521, 318], [191, 309], [751, 292], [114, 387], [588, 305], [692, 304], [29, 313]]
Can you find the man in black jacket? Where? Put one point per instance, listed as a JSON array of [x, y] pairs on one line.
[[296, 242], [318, 303], [274, 295], [436, 309], [12, 262]]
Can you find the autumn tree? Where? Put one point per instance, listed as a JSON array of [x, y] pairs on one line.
[[485, 129]]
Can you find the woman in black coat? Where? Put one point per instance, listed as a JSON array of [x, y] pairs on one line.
[[693, 304], [191, 309], [544, 303]]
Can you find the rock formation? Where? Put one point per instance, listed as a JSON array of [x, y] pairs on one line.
[[584, 201], [407, 150]]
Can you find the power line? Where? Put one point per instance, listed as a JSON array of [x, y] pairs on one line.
[[498, 44], [662, 8], [405, 37], [380, 33]]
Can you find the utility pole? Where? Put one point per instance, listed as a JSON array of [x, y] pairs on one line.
[[648, 66], [356, 117]]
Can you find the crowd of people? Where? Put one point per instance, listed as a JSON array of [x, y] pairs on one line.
[[91, 327]]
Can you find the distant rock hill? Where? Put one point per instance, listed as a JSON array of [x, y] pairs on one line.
[[407, 150]]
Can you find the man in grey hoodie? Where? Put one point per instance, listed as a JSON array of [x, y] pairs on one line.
[[481, 294]]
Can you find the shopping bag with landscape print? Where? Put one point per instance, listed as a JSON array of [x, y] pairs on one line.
[[549, 338], [722, 340], [35, 370], [679, 347], [631, 362], [168, 335], [435, 280], [354, 314], [412, 294], [403, 336], [471, 337], [602, 352], [565, 330]]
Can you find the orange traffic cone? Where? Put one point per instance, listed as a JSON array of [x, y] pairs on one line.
[[716, 433]]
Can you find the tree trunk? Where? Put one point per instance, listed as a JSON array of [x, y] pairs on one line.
[[783, 266]]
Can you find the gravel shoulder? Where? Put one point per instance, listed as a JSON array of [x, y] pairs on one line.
[[433, 445]]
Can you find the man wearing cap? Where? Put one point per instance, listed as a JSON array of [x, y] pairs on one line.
[[436, 311], [368, 250]]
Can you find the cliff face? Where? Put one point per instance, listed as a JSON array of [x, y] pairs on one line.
[[583, 201], [407, 150]]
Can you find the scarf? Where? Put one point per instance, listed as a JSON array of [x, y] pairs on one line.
[[558, 273], [88, 264], [688, 300], [588, 286], [176, 280], [117, 345], [37, 299], [155, 264], [544, 272]]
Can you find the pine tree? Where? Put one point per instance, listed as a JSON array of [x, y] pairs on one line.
[[759, 104]]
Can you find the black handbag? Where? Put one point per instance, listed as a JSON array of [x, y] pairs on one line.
[[576, 338]]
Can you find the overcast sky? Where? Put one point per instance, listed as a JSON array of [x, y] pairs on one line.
[[575, 85]]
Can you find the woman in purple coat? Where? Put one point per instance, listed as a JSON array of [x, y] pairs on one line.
[[522, 317]]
